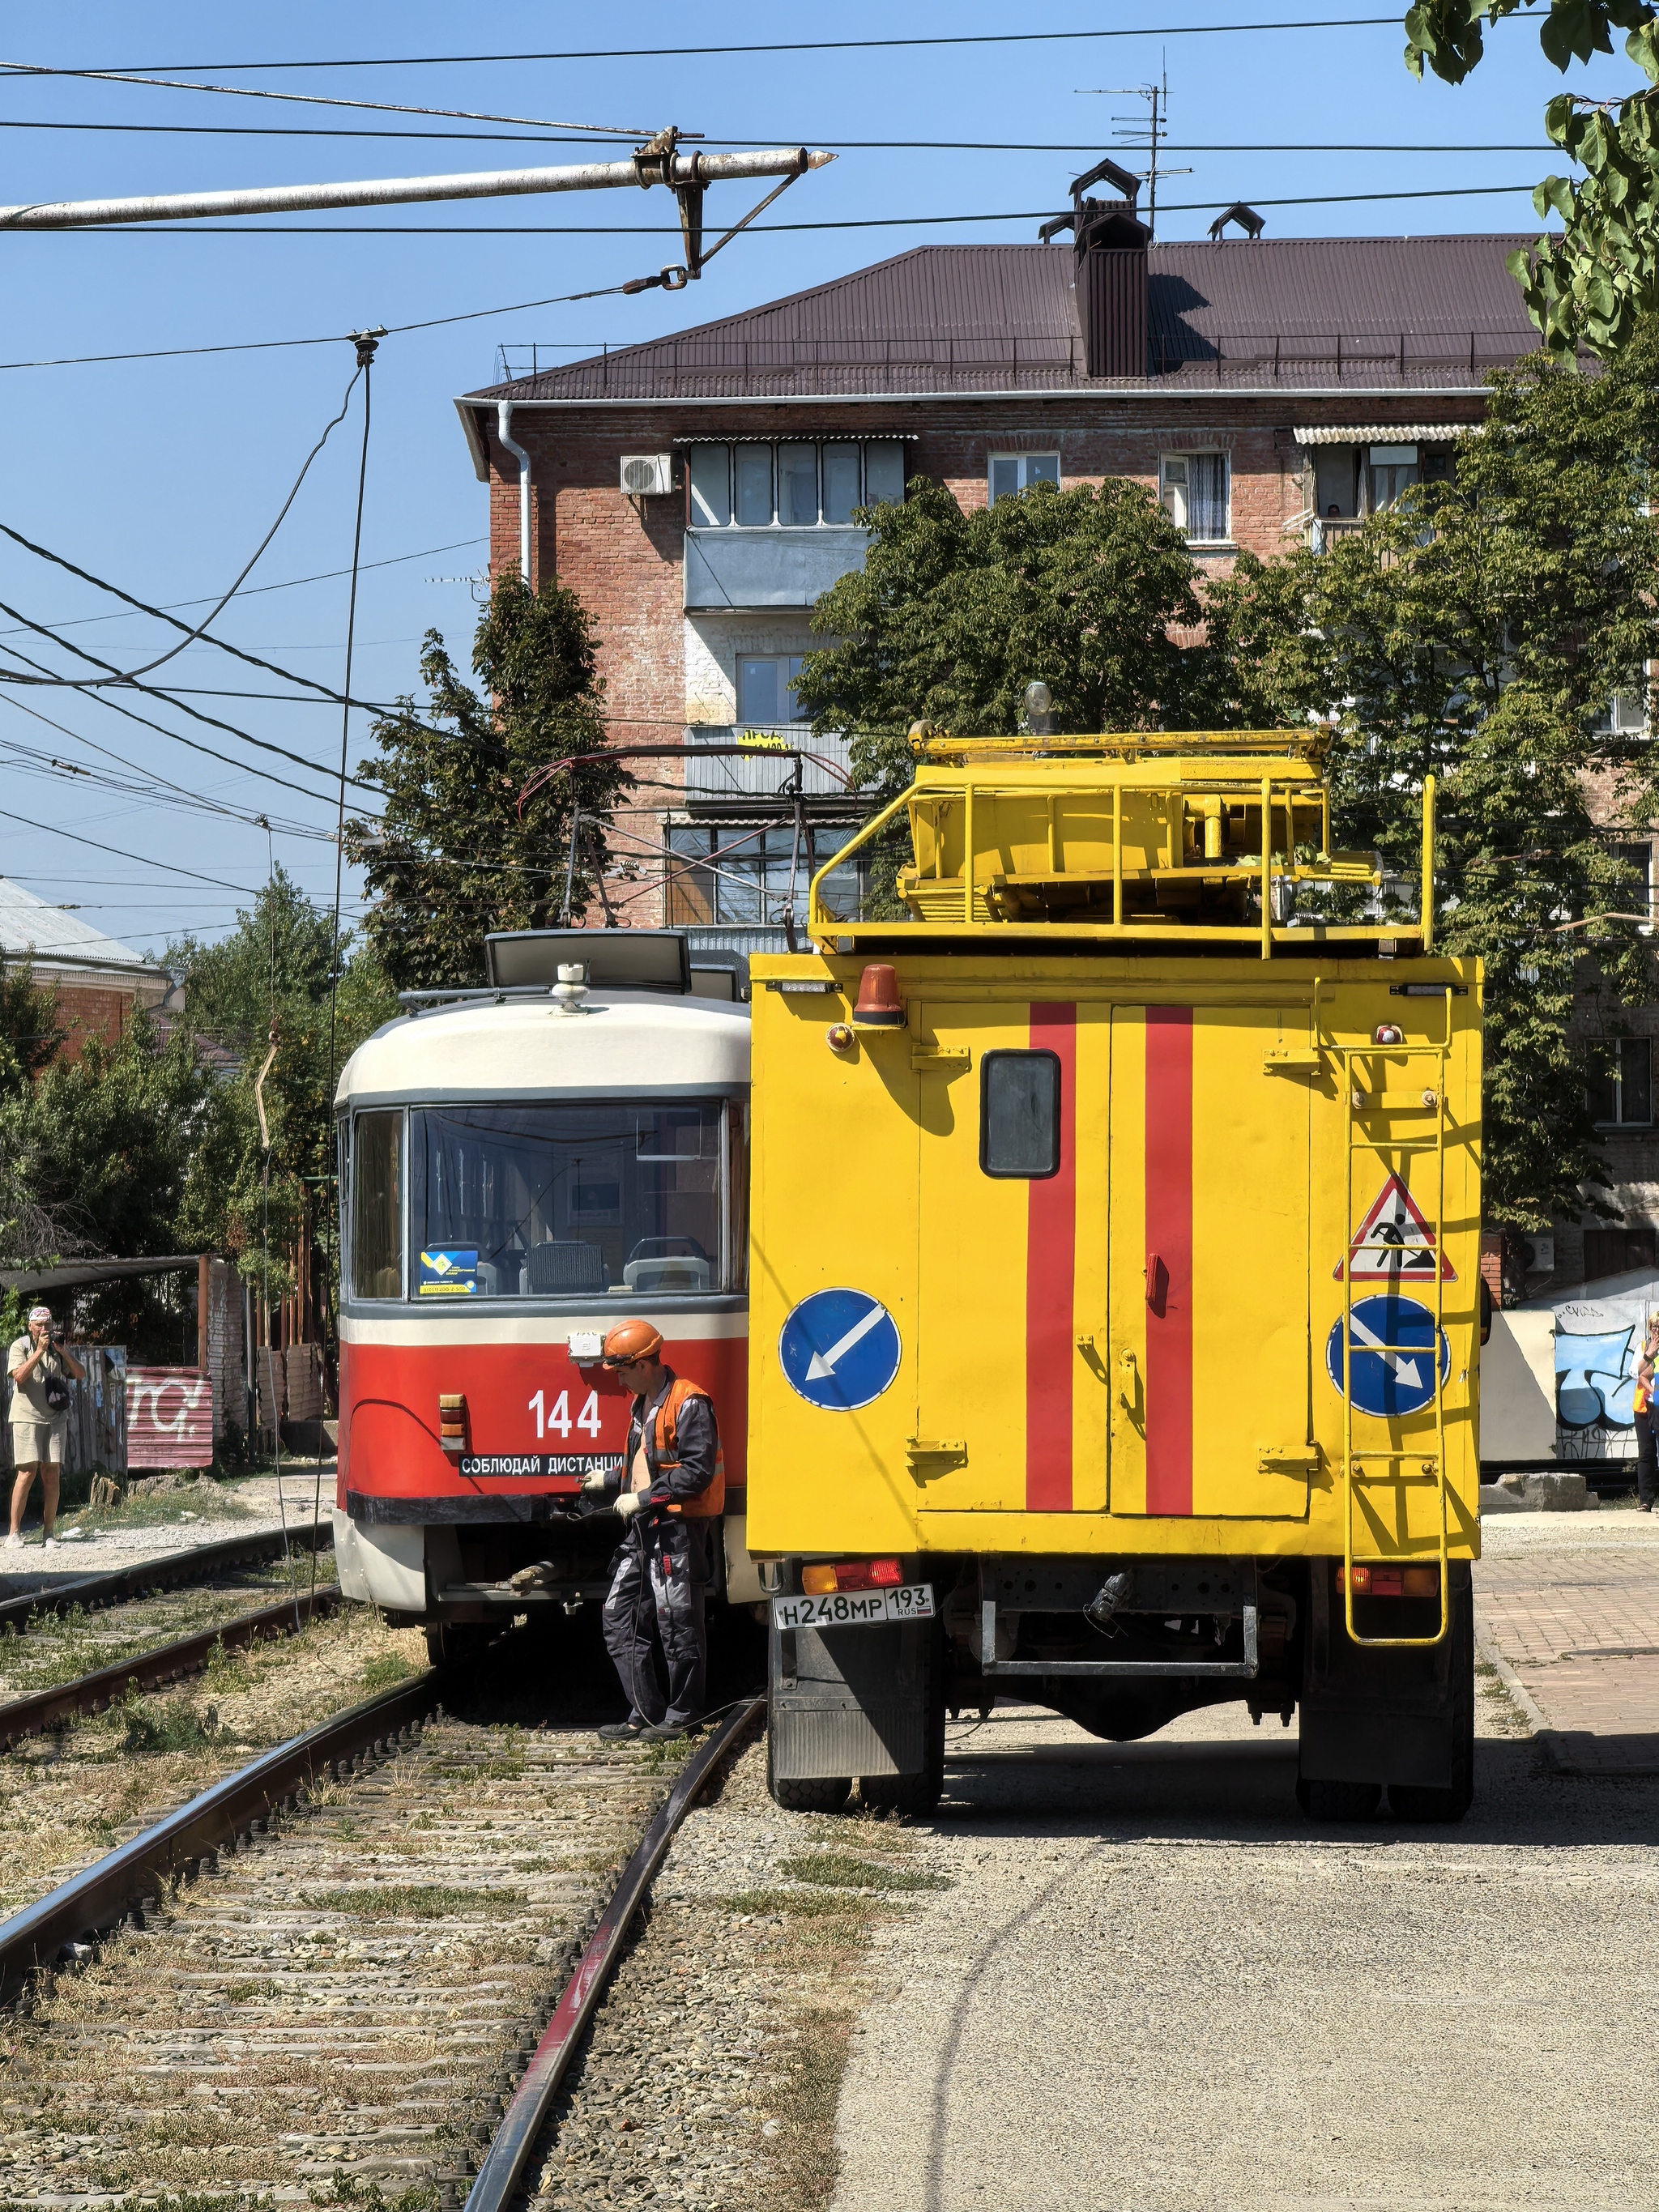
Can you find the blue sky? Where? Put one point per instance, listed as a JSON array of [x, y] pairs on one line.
[[162, 476]]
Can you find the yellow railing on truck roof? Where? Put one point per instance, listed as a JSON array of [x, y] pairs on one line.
[[1164, 835]]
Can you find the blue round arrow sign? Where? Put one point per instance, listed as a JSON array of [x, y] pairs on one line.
[[839, 1349], [1391, 1355]]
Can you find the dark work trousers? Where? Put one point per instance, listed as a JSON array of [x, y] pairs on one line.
[[662, 1566], [1647, 1461]]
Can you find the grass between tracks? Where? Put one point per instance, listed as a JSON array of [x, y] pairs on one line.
[[68, 1797]]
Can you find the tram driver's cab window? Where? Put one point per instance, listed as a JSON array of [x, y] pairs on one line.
[[377, 1211], [626, 1200]]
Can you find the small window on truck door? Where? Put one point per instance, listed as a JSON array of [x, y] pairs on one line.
[[1019, 1114]]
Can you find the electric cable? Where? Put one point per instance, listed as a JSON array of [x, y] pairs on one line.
[[326, 100], [157, 791], [168, 867], [769, 46], [288, 584], [234, 228], [127, 676], [845, 145], [148, 691]]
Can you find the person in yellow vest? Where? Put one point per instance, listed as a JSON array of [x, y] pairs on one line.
[[670, 1491]]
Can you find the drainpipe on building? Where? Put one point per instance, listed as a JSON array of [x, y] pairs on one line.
[[504, 432]]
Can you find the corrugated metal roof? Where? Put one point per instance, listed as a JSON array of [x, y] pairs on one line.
[[169, 1417], [1303, 315], [29, 925]]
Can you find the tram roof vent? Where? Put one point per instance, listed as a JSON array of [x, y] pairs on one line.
[[616, 960]]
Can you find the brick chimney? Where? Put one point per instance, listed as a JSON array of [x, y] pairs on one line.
[[1108, 244]]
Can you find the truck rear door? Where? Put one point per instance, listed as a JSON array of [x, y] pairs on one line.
[[1011, 1410], [1208, 1338]]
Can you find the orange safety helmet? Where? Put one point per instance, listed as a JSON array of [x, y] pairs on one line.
[[630, 1341]]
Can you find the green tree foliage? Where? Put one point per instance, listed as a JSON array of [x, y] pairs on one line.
[[269, 980], [1477, 630], [1590, 286], [103, 1144], [454, 855], [954, 613]]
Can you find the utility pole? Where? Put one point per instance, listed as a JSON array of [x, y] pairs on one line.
[[660, 161]]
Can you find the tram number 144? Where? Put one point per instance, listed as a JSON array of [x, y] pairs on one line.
[[555, 1421]]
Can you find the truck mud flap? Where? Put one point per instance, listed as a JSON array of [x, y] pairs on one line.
[[851, 1701], [1384, 1717]]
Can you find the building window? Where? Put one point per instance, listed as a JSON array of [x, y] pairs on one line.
[[1394, 470], [1639, 898], [1624, 715], [1194, 489], [1621, 1092], [766, 691], [796, 485], [1015, 472], [721, 872]]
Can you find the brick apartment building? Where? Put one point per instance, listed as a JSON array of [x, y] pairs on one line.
[[697, 491]]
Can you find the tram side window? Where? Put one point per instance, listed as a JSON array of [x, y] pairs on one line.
[[607, 1200], [377, 1207], [1019, 1115]]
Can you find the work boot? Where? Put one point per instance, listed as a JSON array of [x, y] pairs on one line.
[[628, 1731], [666, 1732]]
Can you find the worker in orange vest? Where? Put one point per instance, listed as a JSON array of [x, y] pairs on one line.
[[670, 1491]]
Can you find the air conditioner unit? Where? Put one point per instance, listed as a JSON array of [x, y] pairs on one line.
[[648, 476]]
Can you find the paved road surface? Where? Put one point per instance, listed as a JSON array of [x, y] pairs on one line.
[[1155, 1988]]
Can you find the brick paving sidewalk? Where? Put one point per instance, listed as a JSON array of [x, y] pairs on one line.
[[1580, 1632]]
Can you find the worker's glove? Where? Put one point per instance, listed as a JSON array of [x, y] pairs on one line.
[[598, 1480], [628, 1503]]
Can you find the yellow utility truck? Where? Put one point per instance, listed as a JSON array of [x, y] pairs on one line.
[[1116, 1294]]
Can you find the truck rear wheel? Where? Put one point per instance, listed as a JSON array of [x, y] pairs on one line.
[[820, 1793]]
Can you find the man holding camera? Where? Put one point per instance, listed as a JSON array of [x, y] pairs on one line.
[[40, 1368]]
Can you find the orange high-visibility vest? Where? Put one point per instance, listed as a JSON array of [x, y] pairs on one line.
[[708, 1503]]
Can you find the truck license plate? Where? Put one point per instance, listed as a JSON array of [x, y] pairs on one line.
[[855, 1608]]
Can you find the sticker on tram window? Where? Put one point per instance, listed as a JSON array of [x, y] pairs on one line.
[[537, 1466], [449, 1273]]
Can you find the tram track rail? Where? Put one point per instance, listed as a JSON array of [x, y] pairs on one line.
[[169, 1570], [40, 1710], [402, 2032]]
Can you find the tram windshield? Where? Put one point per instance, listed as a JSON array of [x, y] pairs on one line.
[[539, 1202]]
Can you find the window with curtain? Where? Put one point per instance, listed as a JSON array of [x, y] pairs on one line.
[[1195, 488]]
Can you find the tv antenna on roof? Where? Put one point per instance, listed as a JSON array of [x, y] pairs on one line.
[[1142, 135]]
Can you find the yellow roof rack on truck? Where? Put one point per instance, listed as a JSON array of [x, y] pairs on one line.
[[1114, 1274]]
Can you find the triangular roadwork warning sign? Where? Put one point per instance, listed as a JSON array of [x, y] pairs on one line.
[[1393, 1244]]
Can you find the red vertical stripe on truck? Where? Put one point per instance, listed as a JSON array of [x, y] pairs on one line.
[[1050, 1271], [1168, 1259]]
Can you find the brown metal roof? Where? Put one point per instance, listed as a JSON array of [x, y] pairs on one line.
[[1297, 314]]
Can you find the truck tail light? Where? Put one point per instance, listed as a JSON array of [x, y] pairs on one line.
[[850, 1575], [1391, 1581]]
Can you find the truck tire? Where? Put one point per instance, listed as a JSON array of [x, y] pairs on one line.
[[822, 1793], [1338, 1801], [1415, 1802]]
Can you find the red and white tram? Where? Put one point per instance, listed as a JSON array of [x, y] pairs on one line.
[[521, 1166]]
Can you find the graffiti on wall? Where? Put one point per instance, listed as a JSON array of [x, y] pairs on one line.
[[1597, 1341]]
